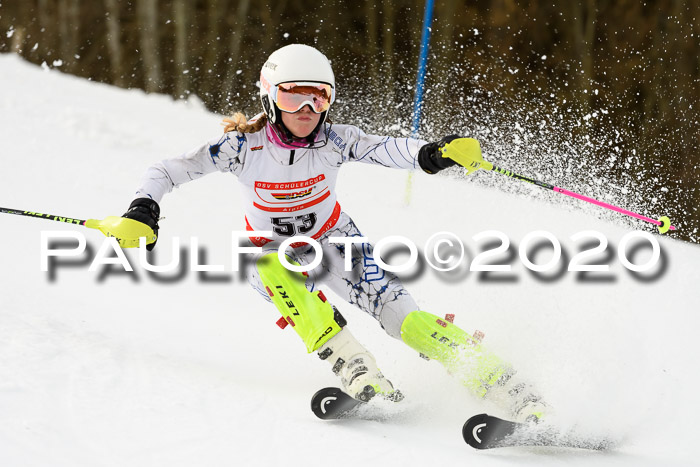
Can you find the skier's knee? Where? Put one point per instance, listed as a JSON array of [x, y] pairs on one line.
[[394, 314], [312, 317], [391, 323]]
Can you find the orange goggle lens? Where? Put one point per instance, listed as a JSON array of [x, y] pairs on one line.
[[292, 97]]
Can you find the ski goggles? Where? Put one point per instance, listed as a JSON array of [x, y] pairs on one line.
[[290, 97]]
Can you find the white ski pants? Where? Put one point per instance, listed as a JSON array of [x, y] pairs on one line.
[[367, 286]]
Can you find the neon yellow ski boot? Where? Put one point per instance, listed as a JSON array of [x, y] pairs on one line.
[[484, 373]]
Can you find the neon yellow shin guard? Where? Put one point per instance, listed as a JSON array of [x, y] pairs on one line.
[[459, 353], [311, 316]]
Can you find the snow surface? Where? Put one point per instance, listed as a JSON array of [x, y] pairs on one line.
[[125, 370]]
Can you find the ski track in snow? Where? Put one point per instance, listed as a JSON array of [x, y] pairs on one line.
[[129, 371]]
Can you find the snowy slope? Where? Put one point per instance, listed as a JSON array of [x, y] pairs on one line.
[[127, 370]]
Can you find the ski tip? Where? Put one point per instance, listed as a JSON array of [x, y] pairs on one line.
[[322, 400], [476, 431], [332, 403], [487, 432]]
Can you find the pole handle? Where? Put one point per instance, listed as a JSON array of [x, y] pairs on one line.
[[126, 231], [467, 153]]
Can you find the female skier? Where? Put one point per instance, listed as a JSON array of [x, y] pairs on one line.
[[287, 161]]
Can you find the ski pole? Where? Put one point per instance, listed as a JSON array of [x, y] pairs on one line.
[[467, 153], [126, 231]]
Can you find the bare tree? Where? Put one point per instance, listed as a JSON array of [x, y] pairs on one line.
[[237, 26], [19, 35], [695, 14], [372, 38], [68, 26], [46, 14], [388, 33], [212, 47], [443, 47], [182, 14], [147, 12], [583, 31], [114, 45], [271, 14]]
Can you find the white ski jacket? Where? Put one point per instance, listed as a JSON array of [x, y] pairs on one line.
[[286, 191]]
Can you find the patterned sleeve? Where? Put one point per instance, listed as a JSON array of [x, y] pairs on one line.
[[400, 153], [225, 154]]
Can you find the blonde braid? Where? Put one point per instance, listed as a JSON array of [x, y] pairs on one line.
[[239, 122]]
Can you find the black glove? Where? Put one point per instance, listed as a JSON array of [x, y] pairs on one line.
[[147, 211], [430, 158]]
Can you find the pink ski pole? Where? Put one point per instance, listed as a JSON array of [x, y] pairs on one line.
[[664, 223], [467, 153]]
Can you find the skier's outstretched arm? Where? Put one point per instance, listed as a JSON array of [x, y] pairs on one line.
[[401, 153], [225, 154]]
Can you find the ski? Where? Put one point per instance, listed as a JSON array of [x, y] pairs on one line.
[[488, 432], [333, 403]]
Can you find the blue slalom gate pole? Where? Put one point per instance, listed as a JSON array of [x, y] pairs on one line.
[[422, 65], [420, 85]]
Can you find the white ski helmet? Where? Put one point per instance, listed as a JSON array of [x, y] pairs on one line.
[[294, 63]]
